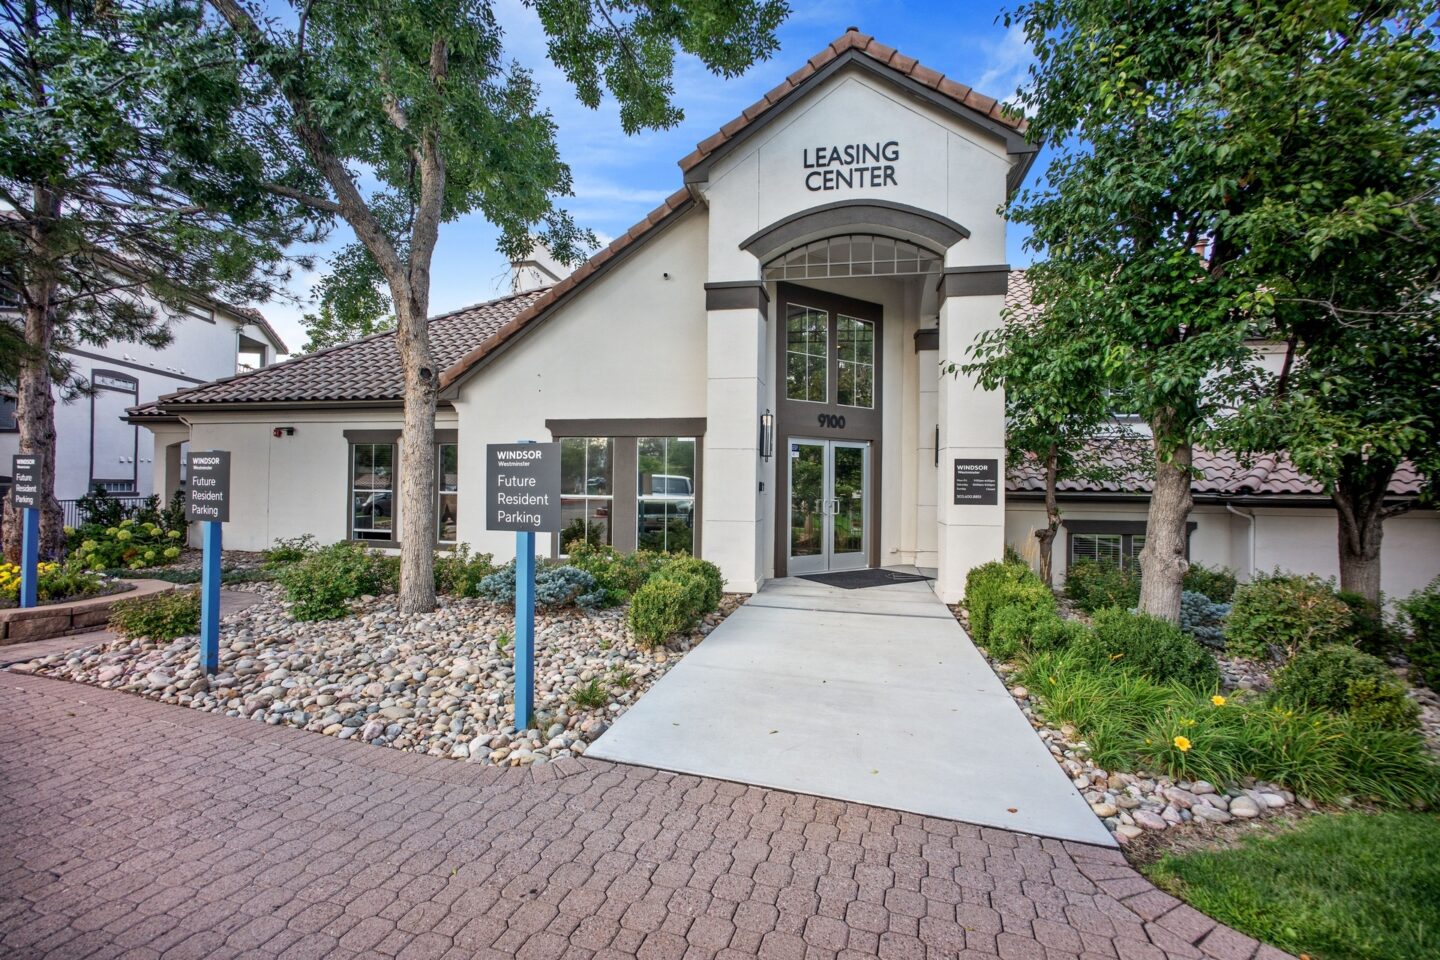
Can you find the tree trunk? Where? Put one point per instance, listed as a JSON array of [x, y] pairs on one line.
[[1162, 561], [35, 403], [417, 458], [1359, 496], [1046, 536]]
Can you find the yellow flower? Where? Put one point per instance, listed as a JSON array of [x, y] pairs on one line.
[[122, 535], [1218, 700], [1182, 744], [127, 523]]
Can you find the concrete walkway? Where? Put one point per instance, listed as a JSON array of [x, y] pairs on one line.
[[145, 830], [874, 696]]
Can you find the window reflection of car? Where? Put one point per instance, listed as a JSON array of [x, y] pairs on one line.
[[377, 504], [670, 497]]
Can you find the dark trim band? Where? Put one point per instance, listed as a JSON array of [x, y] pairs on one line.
[[134, 366], [737, 295], [372, 436], [987, 281], [927, 339], [851, 216], [654, 427]]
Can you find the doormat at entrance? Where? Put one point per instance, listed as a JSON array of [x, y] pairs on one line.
[[859, 579]]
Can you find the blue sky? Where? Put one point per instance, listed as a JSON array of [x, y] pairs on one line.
[[619, 179]]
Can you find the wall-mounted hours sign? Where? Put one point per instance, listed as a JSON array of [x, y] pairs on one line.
[[850, 165], [977, 482], [522, 484], [207, 496], [25, 485]]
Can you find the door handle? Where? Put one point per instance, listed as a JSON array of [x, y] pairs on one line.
[[835, 507]]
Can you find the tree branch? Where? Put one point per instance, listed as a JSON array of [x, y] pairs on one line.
[[300, 196]]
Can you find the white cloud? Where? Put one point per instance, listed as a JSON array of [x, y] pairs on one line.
[[1007, 64]]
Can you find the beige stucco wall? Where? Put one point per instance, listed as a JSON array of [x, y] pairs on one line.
[[1294, 539], [631, 346]]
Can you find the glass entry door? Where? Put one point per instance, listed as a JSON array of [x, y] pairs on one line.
[[829, 506]]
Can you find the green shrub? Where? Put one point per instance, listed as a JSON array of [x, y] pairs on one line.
[[1203, 618], [288, 550], [1094, 586], [321, 586], [1151, 647], [131, 544], [993, 586], [53, 582], [1014, 626], [1368, 629], [1134, 723], [1055, 633], [618, 574], [459, 572], [1342, 679], [667, 605], [1421, 612], [161, 616], [684, 564], [1217, 583], [1288, 612], [556, 585]]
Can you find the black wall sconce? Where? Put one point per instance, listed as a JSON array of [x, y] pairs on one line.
[[767, 435]]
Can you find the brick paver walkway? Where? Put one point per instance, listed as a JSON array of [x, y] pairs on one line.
[[137, 829]]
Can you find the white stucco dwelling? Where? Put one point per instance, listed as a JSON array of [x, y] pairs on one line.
[[96, 444], [753, 372]]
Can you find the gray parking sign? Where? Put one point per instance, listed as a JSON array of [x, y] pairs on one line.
[[25, 482], [208, 492], [522, 487]]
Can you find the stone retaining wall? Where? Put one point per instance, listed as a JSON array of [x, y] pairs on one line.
[[63, 619]]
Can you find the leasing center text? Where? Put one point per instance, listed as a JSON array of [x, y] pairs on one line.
[[851, 165]]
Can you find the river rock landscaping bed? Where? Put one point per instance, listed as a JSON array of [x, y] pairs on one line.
[[438, 683], [1131, 804]]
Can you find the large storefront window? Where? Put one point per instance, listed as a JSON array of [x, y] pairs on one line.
[[587, 466], [665, 496], [807, 354], [856, 367], [447, 476], [372, 491]]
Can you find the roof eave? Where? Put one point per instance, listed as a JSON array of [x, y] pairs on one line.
[[697, 169]]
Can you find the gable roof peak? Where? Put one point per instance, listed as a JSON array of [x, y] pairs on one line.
[[855, 43]]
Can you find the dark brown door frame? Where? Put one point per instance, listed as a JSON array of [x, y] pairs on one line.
[[798, 418]]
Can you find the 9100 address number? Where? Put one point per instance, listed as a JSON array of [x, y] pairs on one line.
[[834, 421]]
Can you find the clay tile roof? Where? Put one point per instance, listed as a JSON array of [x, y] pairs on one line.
[[362, 370], [888, 56], [1219, 474]]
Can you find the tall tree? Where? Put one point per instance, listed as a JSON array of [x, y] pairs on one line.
[[114, 209], [352, 302], [1058, 408], [398, 115], [1347, 263], [1191, 136], [1120, 88]]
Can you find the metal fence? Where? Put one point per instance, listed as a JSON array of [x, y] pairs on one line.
[[74, 515]]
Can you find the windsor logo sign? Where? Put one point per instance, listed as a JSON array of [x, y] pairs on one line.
[[25, 481], [207, 495], [522, 487]]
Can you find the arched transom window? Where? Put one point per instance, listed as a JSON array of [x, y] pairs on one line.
[[853, 255]]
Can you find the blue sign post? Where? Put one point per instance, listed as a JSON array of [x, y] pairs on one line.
[[523, 484], [524, 628], [25, 497], [207, 501]]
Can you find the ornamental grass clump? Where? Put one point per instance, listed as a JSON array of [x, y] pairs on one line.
[[1152, 647], [1132, 722]]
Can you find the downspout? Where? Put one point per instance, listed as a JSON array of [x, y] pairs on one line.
[[1251, 518]]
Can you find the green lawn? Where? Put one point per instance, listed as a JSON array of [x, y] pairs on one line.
[[1334, 887]]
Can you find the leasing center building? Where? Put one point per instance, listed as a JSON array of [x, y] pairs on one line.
[[753, 373]]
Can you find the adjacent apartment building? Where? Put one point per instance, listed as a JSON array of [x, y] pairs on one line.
[[96, 444], [755, 372]]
